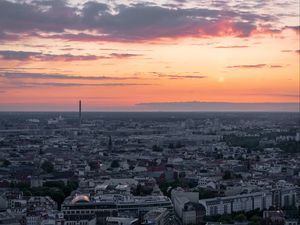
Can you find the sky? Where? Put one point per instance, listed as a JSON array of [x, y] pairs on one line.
[[126, 55]]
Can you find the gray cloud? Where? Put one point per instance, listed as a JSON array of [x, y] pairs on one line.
[[294, 28], [24, 55], [23, 75], [292, 51], [233, 46], [276, 66], [7, 36], [124, 55], [135, 22], [174, 76], [53, 16], [255, 66], [13, 85], [16, 55], [56, 84]]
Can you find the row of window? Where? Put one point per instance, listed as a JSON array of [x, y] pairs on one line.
[[91, 206]]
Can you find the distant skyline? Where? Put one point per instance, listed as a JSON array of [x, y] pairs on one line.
[[162, 55], [169, 107]]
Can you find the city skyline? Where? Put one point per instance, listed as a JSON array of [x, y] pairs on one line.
[[129, 56]]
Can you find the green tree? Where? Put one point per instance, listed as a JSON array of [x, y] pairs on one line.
[[226, 218], [58, 184], [255, 220], [179, 145], [251, 142], [240, 217], [156, 148], [57, 190], [227, 175], [94, 165], [131, 167], [206, 193], [6, 163], [138, 190], [47, 167], [290, 146], [115, 164], [171, 146]]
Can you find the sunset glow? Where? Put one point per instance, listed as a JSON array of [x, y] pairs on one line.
[[114, 55]]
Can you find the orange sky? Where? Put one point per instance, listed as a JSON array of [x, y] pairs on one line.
[[112, 60]]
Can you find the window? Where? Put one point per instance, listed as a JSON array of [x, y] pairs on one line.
[[286, 200], [225, 209]]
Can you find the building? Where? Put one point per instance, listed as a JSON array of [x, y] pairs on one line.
[[284, 197], [8, 218], [84, 208], [245, 202], [187, 207], [278, 198], [159, 216], [121, 221], [37, 207], [274, 217]]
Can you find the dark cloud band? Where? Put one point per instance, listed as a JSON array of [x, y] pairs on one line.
[[125, 23]]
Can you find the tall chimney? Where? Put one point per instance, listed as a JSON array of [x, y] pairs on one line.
[[79, 112]]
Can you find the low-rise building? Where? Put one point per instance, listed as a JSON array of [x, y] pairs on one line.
[[187, 207], [230, 204], [83, 208], [159, 216]]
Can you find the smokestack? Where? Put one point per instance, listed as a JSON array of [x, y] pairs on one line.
[[79, 112]]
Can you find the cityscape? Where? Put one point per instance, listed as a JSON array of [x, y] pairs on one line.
[[149, 168], [149, 112]]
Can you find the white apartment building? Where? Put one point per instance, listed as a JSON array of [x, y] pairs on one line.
[[245, 202]]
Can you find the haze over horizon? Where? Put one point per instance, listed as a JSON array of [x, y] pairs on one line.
[[166, 55], [172, 107]]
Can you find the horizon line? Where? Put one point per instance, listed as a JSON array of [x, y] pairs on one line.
[[152, 111]]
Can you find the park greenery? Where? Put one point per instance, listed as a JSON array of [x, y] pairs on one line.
[[253, 217], [115, 164], [57, 190], [4, 163], [252, 143], [167, 187], [290, 146], [47, 167]]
